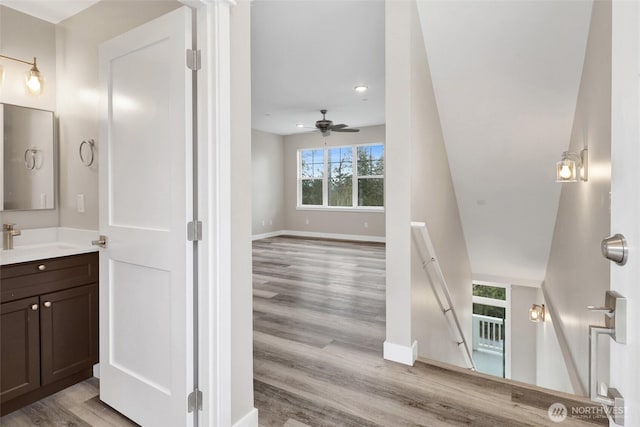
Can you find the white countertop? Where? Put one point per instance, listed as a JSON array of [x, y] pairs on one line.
[[44, 243]]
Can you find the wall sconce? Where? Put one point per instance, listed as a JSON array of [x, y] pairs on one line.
[[537, 313], [33, 79], [573, 166]]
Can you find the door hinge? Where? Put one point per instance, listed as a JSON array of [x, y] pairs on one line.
[[193, 59], [194, 401], [194, 231]]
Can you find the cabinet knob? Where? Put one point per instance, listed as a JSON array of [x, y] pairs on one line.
[[42, 267], [47, 304], [34, 307]]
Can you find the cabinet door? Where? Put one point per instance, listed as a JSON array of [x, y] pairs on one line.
[[68, 332], [19, 348]]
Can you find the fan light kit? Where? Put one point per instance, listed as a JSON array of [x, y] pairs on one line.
[[361, 88], [326, 126]]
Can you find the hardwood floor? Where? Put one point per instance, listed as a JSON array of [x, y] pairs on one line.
[[319, 326], [76, 406]]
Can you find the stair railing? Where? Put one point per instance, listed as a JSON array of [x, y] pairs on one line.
[[428, 256]]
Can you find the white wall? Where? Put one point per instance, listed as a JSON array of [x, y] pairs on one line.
[[523, 334], [551, 369], [419, 187], [577, 274], [267, 179], [324, 221], [23, 37], [241, 283]]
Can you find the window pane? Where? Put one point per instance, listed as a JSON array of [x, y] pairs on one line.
[[312, 163], [312, 192], [494, 292], [371, 160], [340, 191], [370, 192], [340, 176]]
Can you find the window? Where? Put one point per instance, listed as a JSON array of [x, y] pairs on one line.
[[340, 176], [312, 175], [371, 175], [348, 177]]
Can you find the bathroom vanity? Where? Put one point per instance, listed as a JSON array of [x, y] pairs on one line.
[[48, 319]]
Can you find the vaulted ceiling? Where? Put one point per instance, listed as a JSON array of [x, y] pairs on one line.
[[506, 76]]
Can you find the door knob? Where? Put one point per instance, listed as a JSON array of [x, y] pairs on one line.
[[102, 241], [614, 248], [47, 304], [34, 307]]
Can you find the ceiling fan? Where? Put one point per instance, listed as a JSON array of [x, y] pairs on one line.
[[326, 126]]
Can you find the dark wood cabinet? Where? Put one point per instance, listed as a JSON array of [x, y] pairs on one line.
[[19, 348], [49, 327]]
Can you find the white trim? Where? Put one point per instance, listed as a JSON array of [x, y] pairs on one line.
[[313, 234], [96, 370], [401, 353], [214, 201], [507, 334], [490, 301], [267, 235], [350, 209], [249, 420], [491, 280]]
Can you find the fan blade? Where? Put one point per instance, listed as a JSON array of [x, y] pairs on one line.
[[334, 127], [346, 130]]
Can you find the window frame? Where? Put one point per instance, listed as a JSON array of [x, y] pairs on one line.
[[325, 180]]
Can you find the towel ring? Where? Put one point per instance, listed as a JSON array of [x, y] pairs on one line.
[[30, 160], [89, 160]]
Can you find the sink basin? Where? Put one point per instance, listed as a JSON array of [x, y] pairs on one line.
[[65, 242]]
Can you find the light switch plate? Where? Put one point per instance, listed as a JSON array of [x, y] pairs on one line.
[[80, 203]]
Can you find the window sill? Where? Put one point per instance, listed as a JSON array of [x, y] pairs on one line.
[[340, 209]]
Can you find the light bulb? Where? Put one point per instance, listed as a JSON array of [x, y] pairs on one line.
[[33, 85], [565, 171], [34, 80]]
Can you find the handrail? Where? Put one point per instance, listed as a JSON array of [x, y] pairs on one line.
[[430, 258]]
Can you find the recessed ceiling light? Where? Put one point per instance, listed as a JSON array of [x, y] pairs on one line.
[[299, 125], [361, 88]]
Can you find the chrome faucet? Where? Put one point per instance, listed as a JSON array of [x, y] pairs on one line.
[[9, 231]]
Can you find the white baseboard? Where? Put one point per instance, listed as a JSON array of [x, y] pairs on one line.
[[96, 370], [249, 420], [317, 235], [401, 353], [266, 235]]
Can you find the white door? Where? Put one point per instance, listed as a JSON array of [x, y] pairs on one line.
[[146, 188], [625, 197]]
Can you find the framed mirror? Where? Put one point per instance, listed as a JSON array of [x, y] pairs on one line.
[[28, 158]]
